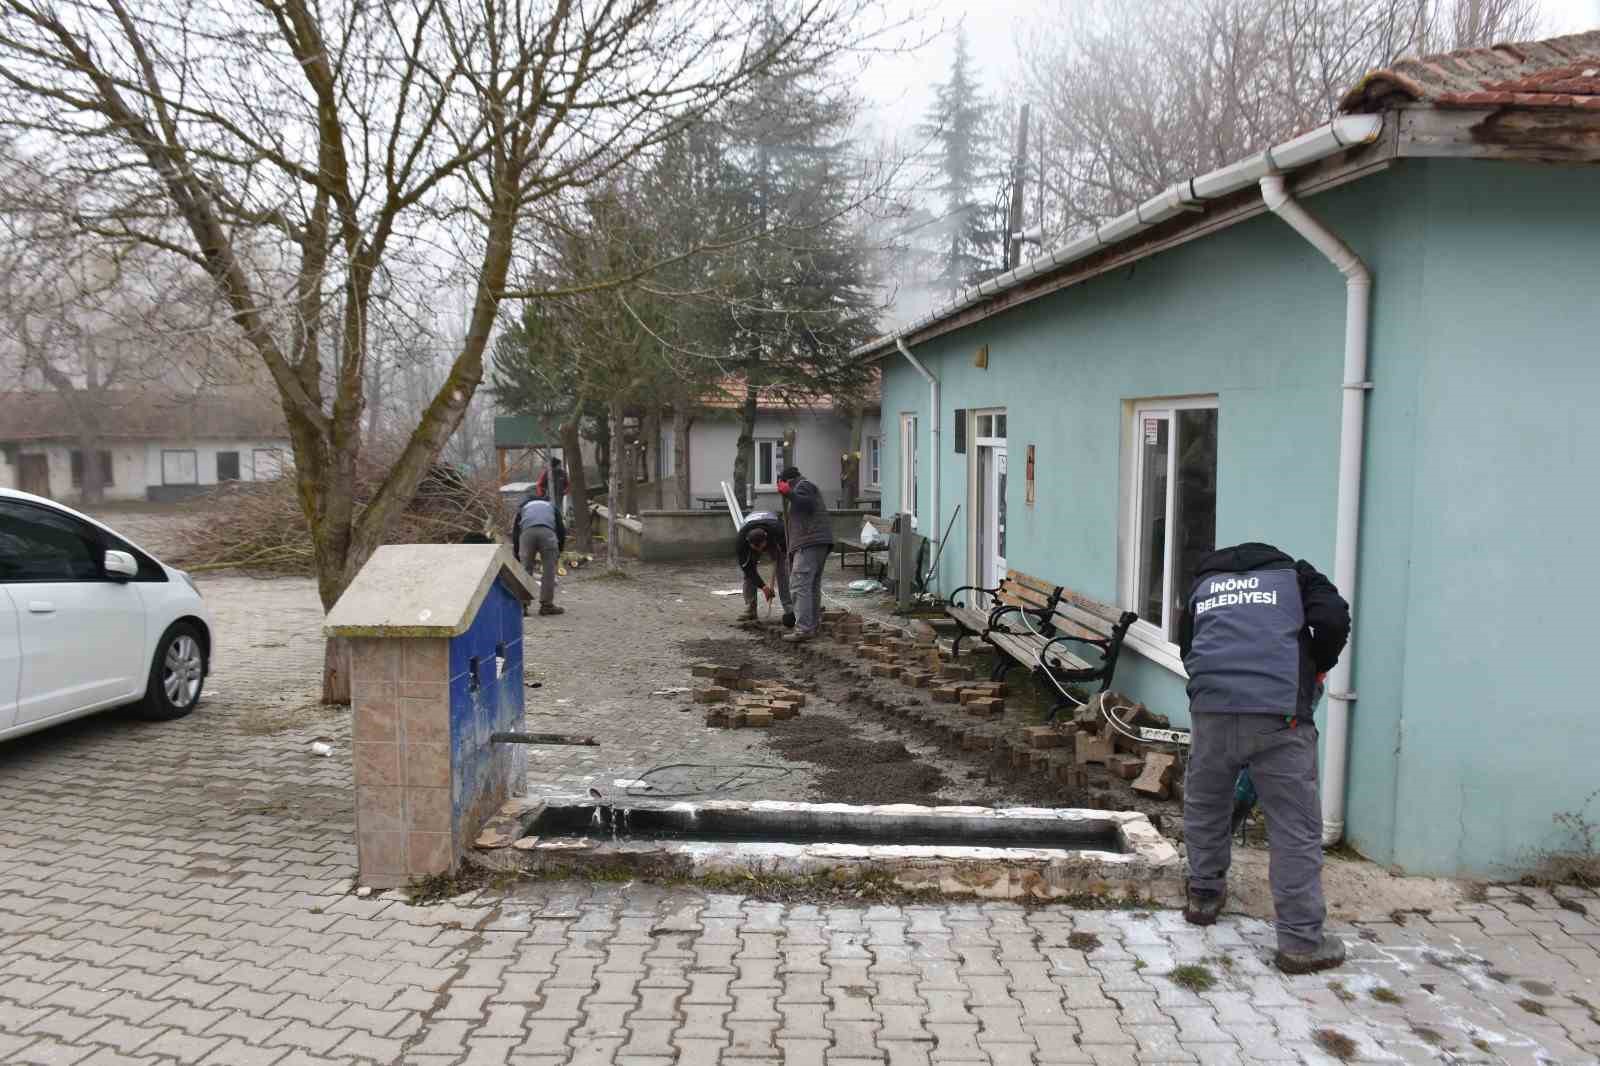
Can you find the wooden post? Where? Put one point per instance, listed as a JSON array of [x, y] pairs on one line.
[[1019, 167]]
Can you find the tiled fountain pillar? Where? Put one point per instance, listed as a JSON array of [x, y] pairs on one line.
[[429, 685]]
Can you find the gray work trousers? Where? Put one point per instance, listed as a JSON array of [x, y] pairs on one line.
[[808, 566], [1283, 766], [541, 541], [752, 588]]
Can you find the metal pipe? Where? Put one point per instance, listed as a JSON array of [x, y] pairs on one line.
[[938, 454], [1347, 528]]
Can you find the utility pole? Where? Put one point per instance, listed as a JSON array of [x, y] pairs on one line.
[[1019, 167]]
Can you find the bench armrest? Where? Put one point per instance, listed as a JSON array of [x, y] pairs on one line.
[[993, 594], [1045, 628]]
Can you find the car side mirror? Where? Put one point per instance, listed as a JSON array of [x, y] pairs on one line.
[[121, 565]]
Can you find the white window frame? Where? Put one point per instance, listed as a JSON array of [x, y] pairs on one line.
[[776, 443], [909, 467], [172, 472], [1154, 642], [668, 452], [874, 462]]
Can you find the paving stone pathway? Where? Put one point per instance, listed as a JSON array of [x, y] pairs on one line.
[[180, 894]]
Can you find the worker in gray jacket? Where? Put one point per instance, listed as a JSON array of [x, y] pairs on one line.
[[539, 531], [810, 539], [1259, 635]]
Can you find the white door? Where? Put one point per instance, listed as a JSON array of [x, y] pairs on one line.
[[10, 660], [81, 634], [992, 536]]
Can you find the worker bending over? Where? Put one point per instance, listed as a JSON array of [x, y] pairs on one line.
[[762, 537], [539, 530], [1260, 633]]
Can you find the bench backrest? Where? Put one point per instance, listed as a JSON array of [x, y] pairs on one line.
[[1071, 613]]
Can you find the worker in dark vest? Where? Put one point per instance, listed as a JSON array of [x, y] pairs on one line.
[[810, 539], [539, 531], [1259, 635], [761, 537]]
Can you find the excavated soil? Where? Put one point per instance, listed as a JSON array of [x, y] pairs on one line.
[[854, 769]]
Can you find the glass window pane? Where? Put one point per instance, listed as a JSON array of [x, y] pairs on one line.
[[985, 425], [1000, 505], [1000, 425], [40, 545], [764, 463], [1194, 522], [1152, 532]]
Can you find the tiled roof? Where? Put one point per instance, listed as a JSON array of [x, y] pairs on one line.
[[128, 415], [1561, 72], [729, 395]]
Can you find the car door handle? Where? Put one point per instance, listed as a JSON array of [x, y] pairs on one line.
[[41, 607]]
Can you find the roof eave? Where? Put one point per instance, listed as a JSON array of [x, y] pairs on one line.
[[1189, 197]]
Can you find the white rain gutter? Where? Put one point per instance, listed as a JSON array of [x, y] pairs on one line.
[[1190, 195], [935, 529], [1352, 431]]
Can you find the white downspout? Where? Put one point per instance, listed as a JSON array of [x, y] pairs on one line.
[[935, 529], [1352, 428]]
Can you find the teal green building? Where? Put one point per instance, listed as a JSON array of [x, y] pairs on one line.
[[1376, 346]]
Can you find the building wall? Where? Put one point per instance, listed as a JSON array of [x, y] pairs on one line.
[[135, 467], [821, 440], [1472, 506], [1497, 734]]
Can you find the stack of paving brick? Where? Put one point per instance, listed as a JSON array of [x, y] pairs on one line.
[[736, 701]]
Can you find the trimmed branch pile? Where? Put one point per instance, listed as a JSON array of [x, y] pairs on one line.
[[260, 526]]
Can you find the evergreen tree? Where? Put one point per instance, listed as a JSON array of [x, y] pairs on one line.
[[961, 124]]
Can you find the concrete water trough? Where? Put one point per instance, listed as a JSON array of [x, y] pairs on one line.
[[1009, 853]]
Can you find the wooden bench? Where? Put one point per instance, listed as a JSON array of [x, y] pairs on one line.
[[867, 551], [1063, 637]]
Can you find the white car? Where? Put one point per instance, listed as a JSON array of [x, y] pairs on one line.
[[88, 621]]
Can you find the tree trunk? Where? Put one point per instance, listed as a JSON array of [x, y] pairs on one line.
[[851, 475], [577, 485], [744, 457], [680, 452], [614, 485], [93, 489], [630, 475]]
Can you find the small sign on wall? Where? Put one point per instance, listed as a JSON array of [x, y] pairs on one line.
[[980, 358], [1152, 430], [1030, 476]]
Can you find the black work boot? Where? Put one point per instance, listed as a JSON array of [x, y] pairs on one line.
[[1204, 905], [550, 608], [748, 614], [1327, 956]]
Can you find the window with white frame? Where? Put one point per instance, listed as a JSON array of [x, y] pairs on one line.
[[668, 452], [769, 464], [1172, 508], [874, 463], [908, 465]]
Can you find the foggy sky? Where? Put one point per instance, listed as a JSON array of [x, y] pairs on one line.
[[897, 86]]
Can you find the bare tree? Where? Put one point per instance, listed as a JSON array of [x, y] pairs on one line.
[[1136, 97], [302, 148]]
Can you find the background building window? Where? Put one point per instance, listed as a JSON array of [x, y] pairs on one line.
[[227, 466], [180, 467], [874, 463], [1173, 502], [77, 469], [769, 464]]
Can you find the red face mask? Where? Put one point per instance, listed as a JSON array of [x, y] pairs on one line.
[[783, 488]]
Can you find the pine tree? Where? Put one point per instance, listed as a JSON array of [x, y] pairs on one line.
[[961, 124]]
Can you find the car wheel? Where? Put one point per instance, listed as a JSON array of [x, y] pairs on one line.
[[177, 675]]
